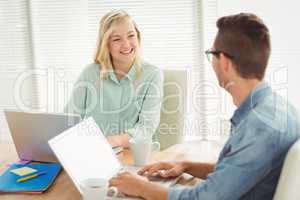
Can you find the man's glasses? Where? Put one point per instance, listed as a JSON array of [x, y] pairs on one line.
[[210, 53]]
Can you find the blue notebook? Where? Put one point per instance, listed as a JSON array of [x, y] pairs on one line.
[[8, 180]]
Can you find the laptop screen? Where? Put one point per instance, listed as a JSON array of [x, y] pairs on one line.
[[85, 153]]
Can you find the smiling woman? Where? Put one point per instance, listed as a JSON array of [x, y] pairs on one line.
[[123, 47], [119, 44], [119, 90]]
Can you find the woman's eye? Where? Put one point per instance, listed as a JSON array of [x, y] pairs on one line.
[[115, 40], [131, 36]]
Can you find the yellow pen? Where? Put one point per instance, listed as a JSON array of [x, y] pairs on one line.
[[30, 177]]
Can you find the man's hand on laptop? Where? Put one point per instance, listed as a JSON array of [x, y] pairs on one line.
[[138, 186], [127, 183], [162, 169]]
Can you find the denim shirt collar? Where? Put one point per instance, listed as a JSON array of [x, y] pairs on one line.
[[250, 102]]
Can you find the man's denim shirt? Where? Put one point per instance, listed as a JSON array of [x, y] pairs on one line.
[[263, 128]]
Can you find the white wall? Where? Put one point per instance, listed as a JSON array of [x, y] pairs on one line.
[[282, 18]]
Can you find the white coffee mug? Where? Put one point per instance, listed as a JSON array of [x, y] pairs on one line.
[[141, 150], [96, 189]]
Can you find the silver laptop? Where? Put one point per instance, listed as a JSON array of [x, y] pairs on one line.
[[85, 153], [31, 132]]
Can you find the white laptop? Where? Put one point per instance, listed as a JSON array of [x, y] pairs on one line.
[[31, 132], [85, 153]]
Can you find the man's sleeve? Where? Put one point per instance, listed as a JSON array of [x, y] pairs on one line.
[[242, 167]]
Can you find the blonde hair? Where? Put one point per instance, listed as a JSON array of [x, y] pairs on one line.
[[103, 56]]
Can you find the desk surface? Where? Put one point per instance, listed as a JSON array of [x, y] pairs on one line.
[[63, 188]]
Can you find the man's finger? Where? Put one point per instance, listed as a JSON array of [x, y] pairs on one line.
[[123, 173], [145, 169], [169, 173], [155, 169], [114, 181]]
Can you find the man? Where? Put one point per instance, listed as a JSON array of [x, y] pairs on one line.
[[263, 127]]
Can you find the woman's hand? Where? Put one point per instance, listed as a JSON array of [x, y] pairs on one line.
[[119, 140], [163, 169]]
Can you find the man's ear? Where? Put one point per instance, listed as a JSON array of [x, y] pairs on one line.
[[224, 62]]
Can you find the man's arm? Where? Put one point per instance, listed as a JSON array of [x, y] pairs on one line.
[[134, 185], [173, 169], [152, 191], [138, 186], [241, 167], [197, 169]]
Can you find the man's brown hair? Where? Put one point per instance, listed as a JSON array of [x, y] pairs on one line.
[[246, 39]]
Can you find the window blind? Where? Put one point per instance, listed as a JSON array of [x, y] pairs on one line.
[[60, 40], [15, 58]]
